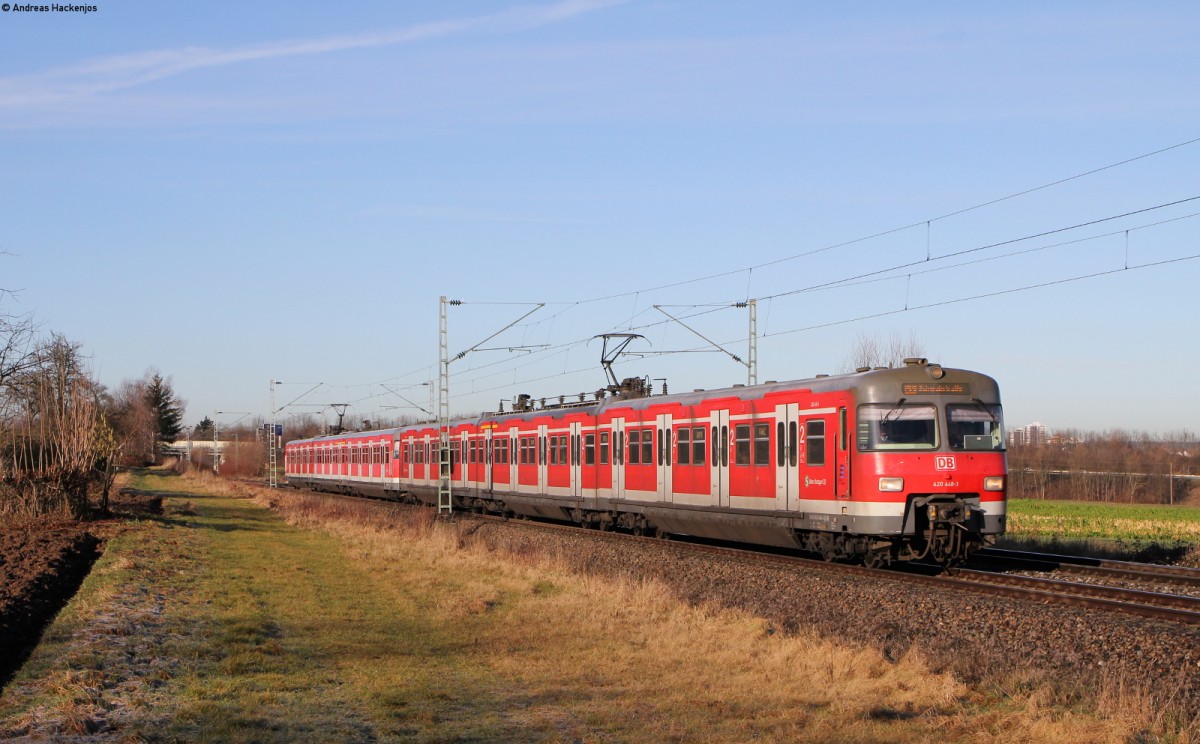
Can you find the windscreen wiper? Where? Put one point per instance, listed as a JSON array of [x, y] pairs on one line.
[[888, 416]]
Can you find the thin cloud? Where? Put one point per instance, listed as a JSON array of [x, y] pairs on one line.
[[107, 74]]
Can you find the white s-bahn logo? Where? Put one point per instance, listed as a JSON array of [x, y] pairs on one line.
[[943, 462]]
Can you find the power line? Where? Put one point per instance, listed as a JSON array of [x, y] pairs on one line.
[[894, 230], [539, 356]]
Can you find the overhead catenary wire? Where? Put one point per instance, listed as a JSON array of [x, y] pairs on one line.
[[928, 222], [878, 275], [902, 228], [869, 316]]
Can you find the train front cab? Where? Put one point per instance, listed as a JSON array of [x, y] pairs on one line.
[[929, 462]]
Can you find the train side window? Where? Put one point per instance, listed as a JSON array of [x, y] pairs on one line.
[[604, 448], [724, 446], [683, 443], [741, 444], [762, 444], [660, 446], [716, 455], [635, 448], [792, 444], [558, 450], [780, 444], [589, 449], [648, 447], [697, 445], [814, 433]]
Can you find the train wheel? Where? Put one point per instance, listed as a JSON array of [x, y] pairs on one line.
[[875, 559], [826, 545]]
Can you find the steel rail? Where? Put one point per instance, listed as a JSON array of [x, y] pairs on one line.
[[1185, 575]]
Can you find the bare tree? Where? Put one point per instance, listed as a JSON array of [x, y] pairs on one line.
[[870, 351], [16, 345], [49, 428], [134, 422]]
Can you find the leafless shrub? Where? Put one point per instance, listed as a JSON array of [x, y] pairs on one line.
[[1115, 466], [872, 351], [49, 428]]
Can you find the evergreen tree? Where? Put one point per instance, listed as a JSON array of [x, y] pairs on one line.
[[204, 428], [168, 410]]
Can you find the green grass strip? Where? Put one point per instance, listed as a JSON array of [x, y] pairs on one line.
[[244, 629]]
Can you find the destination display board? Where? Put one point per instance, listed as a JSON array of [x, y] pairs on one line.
[[936, 388]]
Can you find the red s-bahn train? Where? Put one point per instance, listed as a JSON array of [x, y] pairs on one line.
[[878, 466]]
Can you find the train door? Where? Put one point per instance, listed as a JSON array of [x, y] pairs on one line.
[[487, 459], [541, 457], [512, 460], [720, 457], [787, 471], [618, 458], [843, 455], [663, 420], [461, 470], [574, 458], [818, 439]]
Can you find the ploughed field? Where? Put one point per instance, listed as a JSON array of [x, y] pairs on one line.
[[41, 566]]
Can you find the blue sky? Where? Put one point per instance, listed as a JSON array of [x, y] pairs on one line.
[[231, 193]]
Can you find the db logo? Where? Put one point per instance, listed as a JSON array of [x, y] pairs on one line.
[[943, 462]]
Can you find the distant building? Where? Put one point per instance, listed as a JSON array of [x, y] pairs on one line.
[[1033, 435]]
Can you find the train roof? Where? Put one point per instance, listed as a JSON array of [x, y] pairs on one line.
[[916, 379]]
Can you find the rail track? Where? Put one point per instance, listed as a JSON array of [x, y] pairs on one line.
[[1095, 567], [1147, 604]]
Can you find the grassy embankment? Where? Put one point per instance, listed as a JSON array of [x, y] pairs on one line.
[[225, 621], [1135, 531]]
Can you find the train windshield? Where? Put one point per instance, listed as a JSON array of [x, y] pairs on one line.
[[975, 426], [897, 427]]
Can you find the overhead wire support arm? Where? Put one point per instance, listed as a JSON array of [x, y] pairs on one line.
[[462, 354], [527, 349], [445, 458], [420, 408], [751, 365]]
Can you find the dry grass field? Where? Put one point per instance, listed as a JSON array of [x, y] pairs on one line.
[[252, 615]]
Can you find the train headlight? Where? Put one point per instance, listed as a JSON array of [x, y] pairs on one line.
[[993, 483], [891, 484]]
